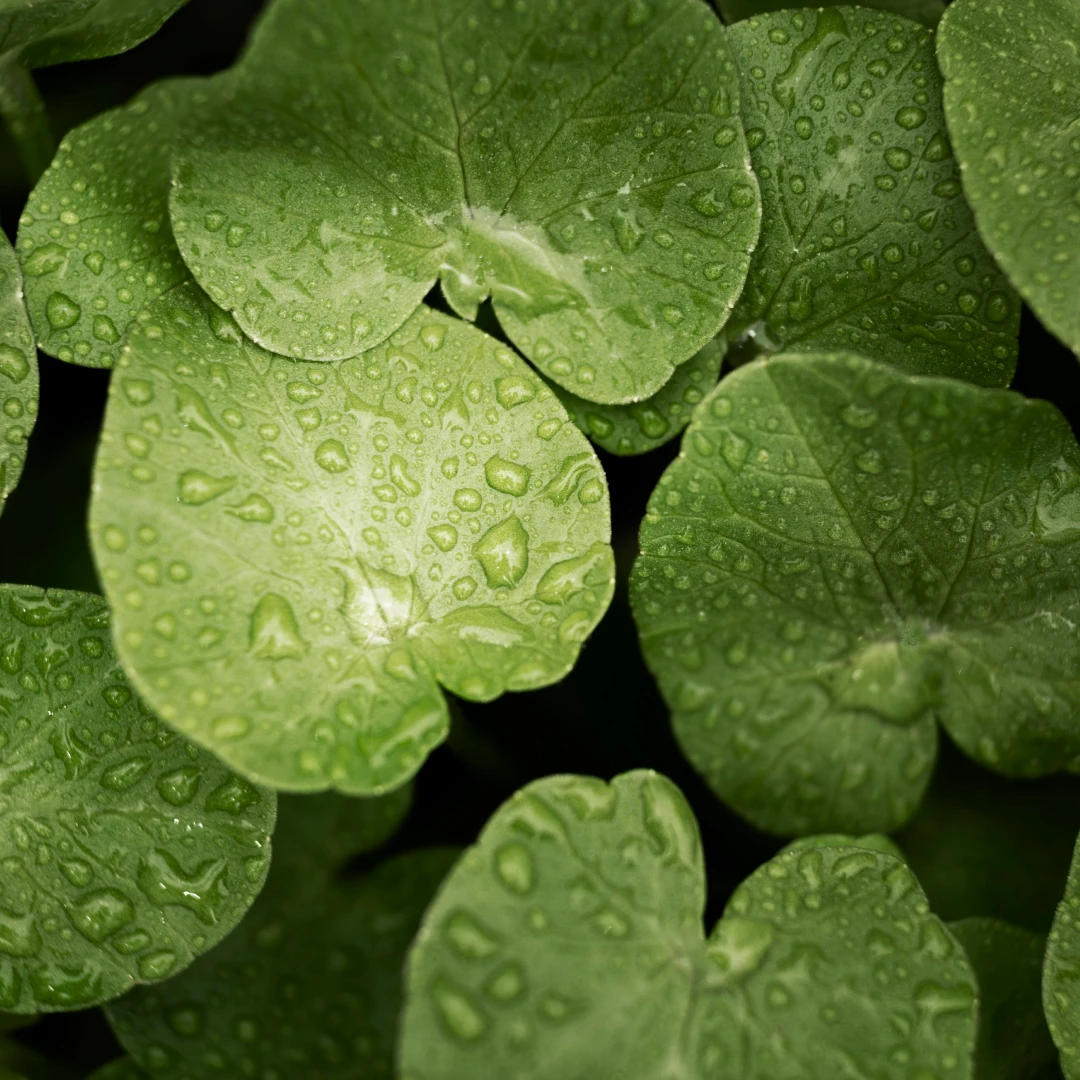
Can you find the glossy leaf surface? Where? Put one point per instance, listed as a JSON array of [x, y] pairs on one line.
[[1012, 98], [581, 162], [126, 851], [300, 553], [927, 12], [1061, 974], [95, 242], [866, 242], [568, 942], [636, 429], [18, 373], [842, 553], [310, 984]]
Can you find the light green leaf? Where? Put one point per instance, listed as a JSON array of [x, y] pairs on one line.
[[842, 553], [50, 32], [1061, 974], [299, 553], [581, 163], [94, 240], [1012, 99], [867, 243], [1014, 1043], [568, 942], [927, 12], [18, 373], [127, 852], [648, 424], [309, 985]]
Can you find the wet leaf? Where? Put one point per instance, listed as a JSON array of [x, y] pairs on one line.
[[867, 243], [299, 553], [126, 851], [1014, 1043], [1061, 974], [310, 984], [842, 554], [581, 163], [18, 373], [648, 424], [569, 942], [927, 12], [872, 842], [95, 242], [1012, 99]]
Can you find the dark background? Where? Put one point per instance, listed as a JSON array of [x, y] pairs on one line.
[[981, 845]]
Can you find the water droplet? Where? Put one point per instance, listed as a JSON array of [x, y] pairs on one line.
[[911, 117], [13, 363], [445, 537], [462, 1018], [98, 915], [125, 774], [870, 461], [503, 553], [185, 1020], [468, 938], [275, 633], [61, 311], [179, 786], [196, 487], [254, 508], [513, 864], [507, 476]]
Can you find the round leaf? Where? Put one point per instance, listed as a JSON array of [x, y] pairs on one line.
[[600, 194], [927, 12], [126, 851], [1012, 99], [18, 373], [568, 942], [1014, 1043], [867, 243], [1061, 974], [299, 553], [843, 552], [309, 985], [95, 243], [648, 424]]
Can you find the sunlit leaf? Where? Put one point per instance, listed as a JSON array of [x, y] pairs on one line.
[[18, 373]]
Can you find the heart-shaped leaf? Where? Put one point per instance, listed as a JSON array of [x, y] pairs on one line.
[[1014, 1043], [648, 424], [1012, 99], [310, 984], [18, 373], [299, 553], [842, 553], [568, 942], [1061, 974], [867, 243], [127, 852], [581, 163], [95, 242], [928, 12]]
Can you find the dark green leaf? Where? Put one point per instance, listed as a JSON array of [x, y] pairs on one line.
[[299, 553], [568, 942], [867, 243], [581, 162], [871, 842], [18, 373], [126, 851], [94, 241], [1061, 974], [121, 1069], [842, 553], [925, 11], [1012, 98]]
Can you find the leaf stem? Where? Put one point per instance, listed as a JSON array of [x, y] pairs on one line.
[[24, 116]]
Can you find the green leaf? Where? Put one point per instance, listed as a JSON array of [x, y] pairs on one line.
[[648, 424], [309, 985], [842, 553], [872, 842], [299, 553], [927, 12], [50, 32], [95, 242], [18, 373], [121, 1069], [1061, 974], [1012, 99], [568, 942], [867, 243], [1014, 1043], [127, 852], [582, 164], [18, 1062]]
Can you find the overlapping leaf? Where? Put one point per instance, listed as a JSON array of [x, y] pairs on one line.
[[1012, 99], [95, 242], [18, 373], [310, 984], [568, 942], [299, 553], [842, 553], [581, 162], [928, 12], [867, 243], [126, 851], [1061, 974]]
